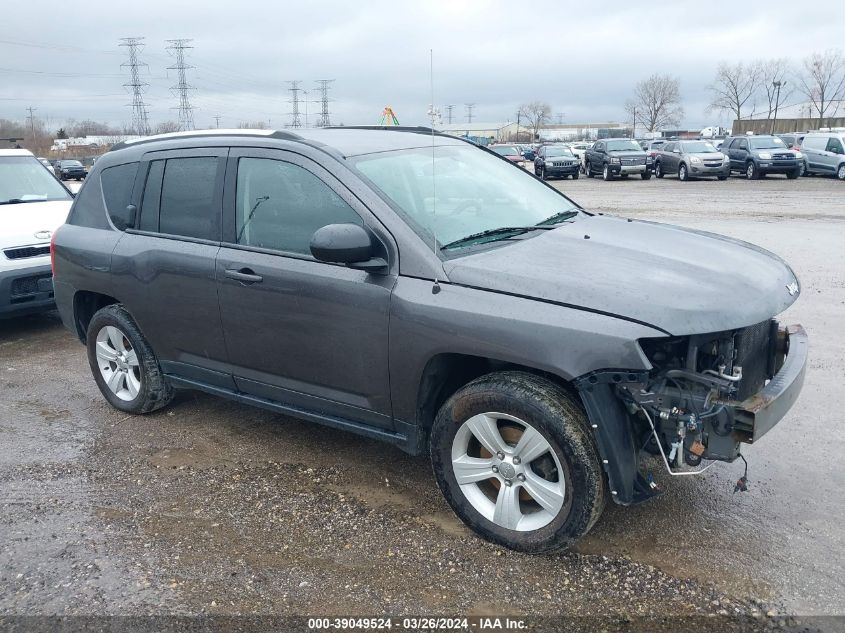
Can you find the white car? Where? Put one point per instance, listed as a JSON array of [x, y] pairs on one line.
[[33, 204], [579, 149]]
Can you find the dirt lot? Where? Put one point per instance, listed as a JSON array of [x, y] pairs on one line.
[[212, 507]]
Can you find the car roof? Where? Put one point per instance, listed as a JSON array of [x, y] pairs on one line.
[[346, 141], [16, 152]]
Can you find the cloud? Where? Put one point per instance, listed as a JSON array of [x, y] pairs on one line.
[[584, 58]]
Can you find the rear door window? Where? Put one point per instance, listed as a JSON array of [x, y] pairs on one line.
[[180, 198]]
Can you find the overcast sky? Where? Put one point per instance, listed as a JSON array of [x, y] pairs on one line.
[[582, 58]]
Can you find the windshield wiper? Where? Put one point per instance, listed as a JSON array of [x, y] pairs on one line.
[[500, 233], [560, 216], [18, 201]]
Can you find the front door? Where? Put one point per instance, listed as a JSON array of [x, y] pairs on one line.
[[299, 331]]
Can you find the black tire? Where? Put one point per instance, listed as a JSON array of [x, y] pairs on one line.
[[751, 171], [683, 173], [552, 412], [155, 391], [723, 177], [646, 175], [542, 173], [793, 175], [840, 172], [658, 170], [588, 172], [575, 176], [606, 174]]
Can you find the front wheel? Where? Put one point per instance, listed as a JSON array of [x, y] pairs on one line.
[[793, 175], [542, 173], [588, 171], [683, 174], [840, 173], [123, 363], [513, 455], [646, 175], [751, 172], [575, 176], [658, 170], [606, 173]]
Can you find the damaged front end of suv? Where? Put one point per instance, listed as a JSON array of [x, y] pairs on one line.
[[704, 396]]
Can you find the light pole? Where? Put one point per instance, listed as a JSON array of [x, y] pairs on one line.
[[776, 85]]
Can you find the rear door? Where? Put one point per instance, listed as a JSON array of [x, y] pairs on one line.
[[164, 265], [305, 333]]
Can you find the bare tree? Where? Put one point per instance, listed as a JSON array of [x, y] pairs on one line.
[[252, 125], [88, 128], [656, 103], [823, 81], [773, 75], [535, 114], [734, 86], [165, 127]]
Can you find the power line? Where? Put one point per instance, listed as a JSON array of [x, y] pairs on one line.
[[139, 109], [449, 109], [323, 85], [469, 107], [294, 103], [177, 48]]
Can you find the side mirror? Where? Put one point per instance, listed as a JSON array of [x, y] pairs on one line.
[[348, 244]]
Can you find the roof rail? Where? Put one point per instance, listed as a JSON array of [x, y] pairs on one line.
[[418, 129], [277, 134]]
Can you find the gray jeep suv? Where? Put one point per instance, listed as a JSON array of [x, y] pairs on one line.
[[420, 290]]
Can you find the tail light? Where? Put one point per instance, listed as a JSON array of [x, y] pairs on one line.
[[53, 253]]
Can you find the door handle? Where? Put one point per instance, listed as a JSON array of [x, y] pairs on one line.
[[244, 275]]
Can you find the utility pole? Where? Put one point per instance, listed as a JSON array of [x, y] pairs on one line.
[[634, 126], [186, 111], [518, 115], [31, 121], [449, 108], [294, 103], [777, 85], [560, 116], [139, 109], [216, 120], [469, 107], [323, 85]]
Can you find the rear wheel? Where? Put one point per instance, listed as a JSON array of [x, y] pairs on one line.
[[123, 363], [513, 455]]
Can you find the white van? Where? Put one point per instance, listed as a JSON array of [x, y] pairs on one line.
[[825, 152], [33, 204]]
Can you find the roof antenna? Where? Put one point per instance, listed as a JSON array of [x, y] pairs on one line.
[[432, 113]]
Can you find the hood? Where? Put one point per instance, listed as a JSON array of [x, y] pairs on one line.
[[20, 222], [678, 280], [707, 155]]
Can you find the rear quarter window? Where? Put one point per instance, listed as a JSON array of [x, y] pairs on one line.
[[117, 183]]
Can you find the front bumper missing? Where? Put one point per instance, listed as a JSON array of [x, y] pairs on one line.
[[756, 415]]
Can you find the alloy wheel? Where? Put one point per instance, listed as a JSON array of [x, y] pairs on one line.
[[841, 172], [118, 363], [508, 471]]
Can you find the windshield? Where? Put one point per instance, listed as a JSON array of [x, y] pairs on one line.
[[558, 151], [623, 144], [771, 142], [698, 147], [505, 150], [71, 163], [474, 191], [24, 179]]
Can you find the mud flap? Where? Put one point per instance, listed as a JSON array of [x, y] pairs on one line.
[[614, 438]]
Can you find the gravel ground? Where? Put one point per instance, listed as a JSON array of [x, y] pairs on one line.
[[209, 507]]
